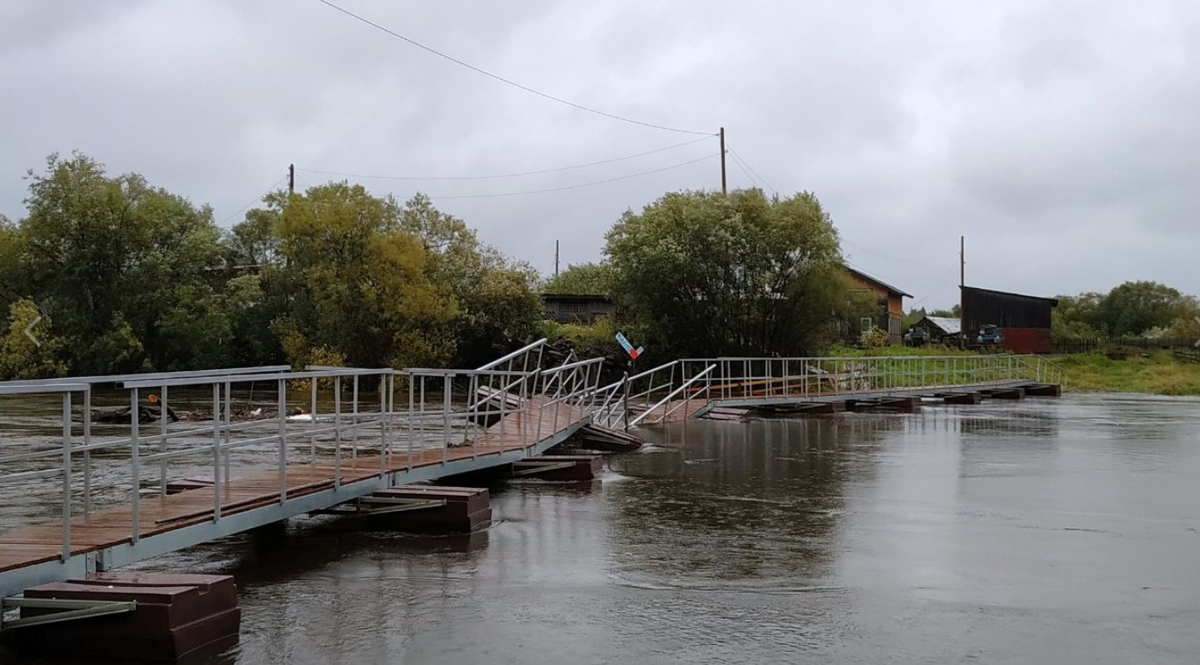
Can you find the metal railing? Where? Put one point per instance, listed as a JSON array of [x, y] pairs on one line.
[[308, 430], [652, 396]]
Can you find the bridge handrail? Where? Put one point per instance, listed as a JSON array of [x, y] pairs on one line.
[[684, 386], [515, 354]]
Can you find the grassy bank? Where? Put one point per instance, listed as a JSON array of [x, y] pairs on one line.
[[1156, 374]]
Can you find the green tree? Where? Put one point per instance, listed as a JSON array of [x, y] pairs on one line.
[[25, 358], [581, 279], [361, 288], [707, 274], [1135, 307], [118, 263], [1077, 316], [496, 300]]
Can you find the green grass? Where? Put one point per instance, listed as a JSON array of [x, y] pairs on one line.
[[1156, 374], [890, 351]]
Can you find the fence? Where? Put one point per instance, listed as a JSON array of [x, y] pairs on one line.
[[1068, 345]]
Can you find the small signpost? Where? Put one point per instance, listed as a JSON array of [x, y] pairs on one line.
[[624, 342]]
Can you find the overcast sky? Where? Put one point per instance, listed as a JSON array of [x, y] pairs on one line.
[[1063, 139]]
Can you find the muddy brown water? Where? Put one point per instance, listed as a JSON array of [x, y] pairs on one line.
[[1046, 531]]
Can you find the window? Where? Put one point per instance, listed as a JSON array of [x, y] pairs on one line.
[[866, 324]]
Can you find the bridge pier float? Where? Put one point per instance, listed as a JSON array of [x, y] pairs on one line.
[[429, 509], [902, 404], [963, 398], [1044, 390], [1005, 393], [132, 617]]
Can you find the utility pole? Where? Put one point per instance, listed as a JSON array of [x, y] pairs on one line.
[[556, 258], [962, 261], [291, 178], [723, 188]]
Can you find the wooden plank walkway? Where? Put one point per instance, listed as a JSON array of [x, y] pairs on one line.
[[32, 545]]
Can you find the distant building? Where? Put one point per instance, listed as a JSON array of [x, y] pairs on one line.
[[940, 327], [1024, 321], [891, 302], [576, 308]]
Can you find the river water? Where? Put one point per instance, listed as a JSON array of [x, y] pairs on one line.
[[1045, 531]]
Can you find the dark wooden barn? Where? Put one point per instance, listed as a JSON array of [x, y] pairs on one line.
[[1024, 321]]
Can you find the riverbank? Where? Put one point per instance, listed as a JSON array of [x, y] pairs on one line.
[[1156, 374]]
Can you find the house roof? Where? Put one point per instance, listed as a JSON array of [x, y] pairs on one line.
[[946, 324], [867, 278]]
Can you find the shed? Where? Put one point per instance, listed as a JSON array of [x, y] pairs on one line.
[[577, 308], [1024, 320], [940, 327]]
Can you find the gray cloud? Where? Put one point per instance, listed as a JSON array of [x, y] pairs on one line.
[[1060, 139]]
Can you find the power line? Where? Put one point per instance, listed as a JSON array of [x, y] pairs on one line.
[[510, 175], [581, 185], [747, 165], [497, 77], [256, 200], [748, 176]]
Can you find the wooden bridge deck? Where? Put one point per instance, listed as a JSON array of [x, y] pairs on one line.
[[111, 527]]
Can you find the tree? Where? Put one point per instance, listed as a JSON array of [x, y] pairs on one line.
[[360, 281], [25, 358], [1135, 307], [707, 274], [118, 263], [1077, 316], [581, 279], [496, 300]]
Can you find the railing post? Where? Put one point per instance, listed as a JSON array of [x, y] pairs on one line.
[[66, 478], [312, 438], [385, 423], [162, 445], [228, 430], [412, 388], [446, 379], [216, 451], [87, 454], [337, 433], [135, 469], [625, 398], [282, 417], [354, 419]]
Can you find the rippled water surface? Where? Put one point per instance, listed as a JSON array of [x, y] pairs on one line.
[[1046, 531]]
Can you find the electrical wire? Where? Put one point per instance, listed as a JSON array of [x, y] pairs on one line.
[[509, 175], [497, 77], [743, 161], [748, 176], [256, 200], [578, 186]]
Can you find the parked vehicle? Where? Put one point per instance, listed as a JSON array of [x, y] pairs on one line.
[[916, 337], [989, 336]]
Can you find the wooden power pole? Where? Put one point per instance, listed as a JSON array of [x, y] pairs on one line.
[[962, 261], [723, 187], [556, 258], [291, 178]]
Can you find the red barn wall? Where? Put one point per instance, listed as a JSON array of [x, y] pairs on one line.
[[1026, 340]]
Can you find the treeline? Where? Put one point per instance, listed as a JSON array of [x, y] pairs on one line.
[[129, 277], [1133, 309]]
